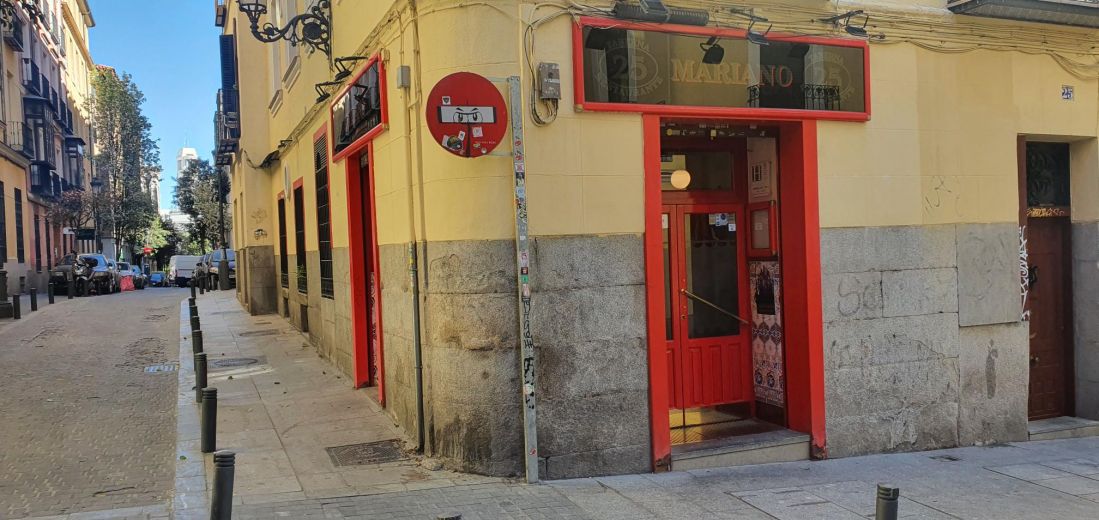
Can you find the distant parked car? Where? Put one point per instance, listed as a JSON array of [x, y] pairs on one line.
[[100, 275], [158, 279], [116, 276], [212, 267], [59, 276], [137, 278]]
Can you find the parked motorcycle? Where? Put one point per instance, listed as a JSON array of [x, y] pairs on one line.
[[81, 277]]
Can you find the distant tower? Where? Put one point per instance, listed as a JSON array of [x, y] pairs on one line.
[[184, 159]]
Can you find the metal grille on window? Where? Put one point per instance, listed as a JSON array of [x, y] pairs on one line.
[[324, 216], [284, 262], [20, 249], [37, 244], [299, 239]]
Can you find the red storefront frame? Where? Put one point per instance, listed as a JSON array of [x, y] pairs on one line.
[[774, 114], [799, 215], [359, 253]]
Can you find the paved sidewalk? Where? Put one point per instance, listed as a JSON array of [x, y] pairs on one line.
[[280, 432], [279, 407]]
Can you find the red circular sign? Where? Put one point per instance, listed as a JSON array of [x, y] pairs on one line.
[[466, 115]]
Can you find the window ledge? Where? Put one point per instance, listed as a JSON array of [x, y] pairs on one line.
[[276, 102], [290, 77]]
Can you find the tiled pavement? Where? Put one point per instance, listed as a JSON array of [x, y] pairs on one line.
[[284, 473], [70, 375]]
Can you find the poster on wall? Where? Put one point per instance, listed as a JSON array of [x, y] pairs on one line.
[[768, 370], [761, 187]]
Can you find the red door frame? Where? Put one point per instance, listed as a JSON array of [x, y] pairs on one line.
[[800, 245]]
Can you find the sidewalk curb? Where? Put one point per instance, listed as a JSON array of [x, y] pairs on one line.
[[189, 495]]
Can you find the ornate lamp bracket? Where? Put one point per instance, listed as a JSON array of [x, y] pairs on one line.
[[313, 28]]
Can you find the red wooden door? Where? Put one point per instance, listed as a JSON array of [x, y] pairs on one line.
[[1051, 377], [706, 295], [369, 266]]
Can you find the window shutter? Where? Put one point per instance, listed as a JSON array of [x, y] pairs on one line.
[[229, 71]]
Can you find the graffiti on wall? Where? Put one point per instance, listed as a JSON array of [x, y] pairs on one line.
[[768, 370], [1024, 273]]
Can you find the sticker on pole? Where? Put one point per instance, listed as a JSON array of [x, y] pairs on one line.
[[466, 115]]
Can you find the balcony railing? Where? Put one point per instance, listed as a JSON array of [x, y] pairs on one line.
[[44, 181], [18, 137], [13, 34], [31, 77]]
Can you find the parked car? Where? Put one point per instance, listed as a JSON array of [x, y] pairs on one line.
[[134, 272], [214, 260], [200, 270], [116, 276], [59, 276], [158, 279], [140, 278], [181, 269]]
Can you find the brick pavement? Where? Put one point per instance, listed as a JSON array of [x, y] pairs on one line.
[[85, 427]]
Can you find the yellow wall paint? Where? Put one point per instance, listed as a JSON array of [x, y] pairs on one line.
[[939, 149]]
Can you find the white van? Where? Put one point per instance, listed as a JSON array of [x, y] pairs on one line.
[[181, 268]]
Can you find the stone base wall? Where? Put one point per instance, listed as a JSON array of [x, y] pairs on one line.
[[1085, 306], [257, 279], [588, 323], [924, 347]]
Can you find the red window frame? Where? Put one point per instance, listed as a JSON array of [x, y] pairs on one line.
[[785, 114], [373, 132]]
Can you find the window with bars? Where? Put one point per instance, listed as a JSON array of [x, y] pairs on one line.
[[3, 225], [324, 216], [20, 249], [284, 262], [299, 238]]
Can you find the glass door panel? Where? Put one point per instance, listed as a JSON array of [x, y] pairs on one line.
[[712, 275]]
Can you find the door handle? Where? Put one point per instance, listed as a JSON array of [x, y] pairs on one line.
[[712, 305], [1034, 360]]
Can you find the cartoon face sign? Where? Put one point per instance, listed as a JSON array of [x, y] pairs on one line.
[[466, 115]]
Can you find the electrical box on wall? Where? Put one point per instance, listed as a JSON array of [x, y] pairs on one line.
[[549, 81]]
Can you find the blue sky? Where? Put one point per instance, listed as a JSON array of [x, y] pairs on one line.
[[170, 48]]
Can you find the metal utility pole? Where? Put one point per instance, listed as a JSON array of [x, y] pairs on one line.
[[223, 264]]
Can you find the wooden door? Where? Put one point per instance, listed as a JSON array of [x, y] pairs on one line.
[[1051, 338], [706, 297], [372, 293]]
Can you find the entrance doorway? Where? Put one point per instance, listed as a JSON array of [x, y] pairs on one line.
[[365, 271], [1049, 280], [714, 351]]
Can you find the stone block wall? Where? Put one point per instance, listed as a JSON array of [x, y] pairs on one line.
[[924, 347], [259, 277], [1085, 304]]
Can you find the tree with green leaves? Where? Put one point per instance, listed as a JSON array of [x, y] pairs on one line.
[[200, 190], [126, 160]]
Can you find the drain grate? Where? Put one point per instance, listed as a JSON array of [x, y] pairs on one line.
[[256, 333], [168, 367], [366, 453], [234, 362]]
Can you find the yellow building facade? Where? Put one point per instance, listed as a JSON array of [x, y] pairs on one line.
[[874, 299], [47, 140]]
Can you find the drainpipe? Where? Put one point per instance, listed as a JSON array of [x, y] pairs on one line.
[[413, 257]]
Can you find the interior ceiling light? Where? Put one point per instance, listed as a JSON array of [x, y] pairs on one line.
[[756, 37], [712, 52], [858, 31], [681, 179]]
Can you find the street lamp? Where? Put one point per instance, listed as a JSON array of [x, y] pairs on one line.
[[313, 28]]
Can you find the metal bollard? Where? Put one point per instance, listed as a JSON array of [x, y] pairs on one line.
[[202, 286], [221, 502], [15, 307], [193, 309], [209, 419], [200, 375], [49, 292], [888, 497], [34, 299], [196, 342], [191, 283], [196, 323], [71, 287]]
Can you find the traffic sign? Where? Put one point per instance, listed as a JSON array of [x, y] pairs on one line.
[[466, 115]]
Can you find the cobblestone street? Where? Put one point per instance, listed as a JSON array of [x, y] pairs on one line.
[[86, 427]]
